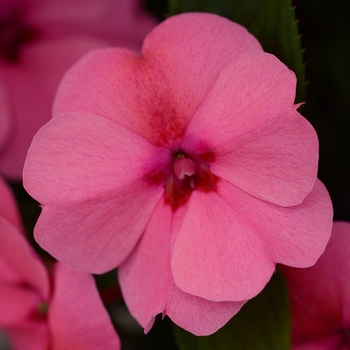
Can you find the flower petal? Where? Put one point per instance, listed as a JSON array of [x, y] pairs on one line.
[[319, 294], [77, 317], [148, 287], [91, 194], [296, 236], [218, 255], [261, 143], [6, 123], [23, 265], [31, 87], [29, 335], [156, 95], [189, 51], [231, 241], [77, 157], [17, 302], [97, 235], [122, 23], [61, 11]]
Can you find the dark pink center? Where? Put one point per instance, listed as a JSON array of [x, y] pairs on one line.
[[184, 175], [40, 313], [14, 33]]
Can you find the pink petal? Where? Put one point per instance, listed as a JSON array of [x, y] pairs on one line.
[[97, 235], [33, 335], [77, 317], [126, 23], [78, 157], [23, 265], [189, 51], [31, 87], [67, 30], [319, 294], [8, 274], [231, 241], [6, 123], [148, 287], [261, 144], [336, 258], [218, 255], [155, 96], [8, 207], [122, 23], [17, 302], [93, 193], [296, 236], [60, 11]]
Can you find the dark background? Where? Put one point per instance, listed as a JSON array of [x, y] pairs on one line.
[[325, 29]]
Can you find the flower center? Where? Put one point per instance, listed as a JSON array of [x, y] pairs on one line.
[[183, 166], [14, 33], [40, 312], [188, 174], [183, 175]]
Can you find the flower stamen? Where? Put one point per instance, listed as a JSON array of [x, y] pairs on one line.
[[184, 166]]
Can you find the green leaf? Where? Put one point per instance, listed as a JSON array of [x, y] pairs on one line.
[[262, 324], [272, 22]]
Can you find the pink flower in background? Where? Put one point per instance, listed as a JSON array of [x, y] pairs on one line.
[[320, 297], [189, 167], [39, 41], [75, 318]]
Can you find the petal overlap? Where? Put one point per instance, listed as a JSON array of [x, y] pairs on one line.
[[110, 232], [152, 274], [217, 251], [93, 151], [261, 143], [164, 87]]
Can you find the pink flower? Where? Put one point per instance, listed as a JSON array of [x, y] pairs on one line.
[[39, 41], [76, 318], [189, 167], [320, 297]]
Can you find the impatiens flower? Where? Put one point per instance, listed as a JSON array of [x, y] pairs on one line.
[[189, 167], [320, 297], [66, 313], [39, 41]]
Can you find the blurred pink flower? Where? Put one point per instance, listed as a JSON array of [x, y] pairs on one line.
[[75, 319], [320, 297], [189, 167], [39, 41]]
